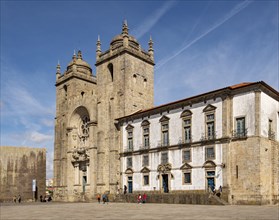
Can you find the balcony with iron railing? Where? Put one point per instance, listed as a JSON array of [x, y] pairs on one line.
[[240, 134], [165, 143], [184, 141], [128, 149], [271, 135], [205, 137], [144, 147]]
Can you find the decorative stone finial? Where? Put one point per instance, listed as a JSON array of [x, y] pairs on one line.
[[58, 68], [98, 44], [74, 55], [150, 49], [125, 28], [98, 49], [79, 56]]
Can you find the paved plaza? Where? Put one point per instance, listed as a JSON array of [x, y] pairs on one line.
[[125, 211]]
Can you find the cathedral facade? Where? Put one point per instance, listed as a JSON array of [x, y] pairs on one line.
[[87, 138], [109, 136]]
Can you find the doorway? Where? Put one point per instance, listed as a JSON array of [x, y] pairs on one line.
[[130, 184], [165, 182], [84, 182], [210, 180]]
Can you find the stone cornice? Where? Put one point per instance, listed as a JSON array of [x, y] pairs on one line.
[[111, 54], [66, 77]]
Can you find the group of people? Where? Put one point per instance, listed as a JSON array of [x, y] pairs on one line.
[[45, 199], [17, 199], [104, 198], [141, 198]]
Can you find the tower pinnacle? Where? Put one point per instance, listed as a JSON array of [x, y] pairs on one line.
[[125, 28], [150, 49]]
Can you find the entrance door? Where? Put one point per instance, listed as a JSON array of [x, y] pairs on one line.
[[165, 182], [211, 180], [130, 184], [84, 181]]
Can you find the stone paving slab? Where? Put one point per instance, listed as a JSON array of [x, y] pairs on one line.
[[84, 211]]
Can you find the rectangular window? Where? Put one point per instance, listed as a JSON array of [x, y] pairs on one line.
[[187, 130], [165, 134], [187, 178], [209, 153], [210, 130], [164, 158], [145, 160], [210, 126], [186, 155], [130, 140], [146, 137], [145, 179], [240, 127], [129, 162]]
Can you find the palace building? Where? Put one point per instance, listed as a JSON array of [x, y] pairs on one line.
[[108, 134]]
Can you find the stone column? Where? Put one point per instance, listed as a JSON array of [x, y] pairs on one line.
[[88, 172], [76, 174]]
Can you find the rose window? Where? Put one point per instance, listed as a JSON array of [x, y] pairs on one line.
[[84, 126]]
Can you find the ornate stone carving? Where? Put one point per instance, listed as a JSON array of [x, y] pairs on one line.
[[164, 168]]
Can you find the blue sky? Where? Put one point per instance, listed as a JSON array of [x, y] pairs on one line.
[[199, 46]]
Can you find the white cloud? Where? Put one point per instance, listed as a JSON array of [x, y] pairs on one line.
[[150, 21], [39, 137], [228, 16], [48, 122]]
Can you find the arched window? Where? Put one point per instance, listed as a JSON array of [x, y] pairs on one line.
[[110, 68]]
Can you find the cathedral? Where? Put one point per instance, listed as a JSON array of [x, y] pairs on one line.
[[87, 137], [109, 137]]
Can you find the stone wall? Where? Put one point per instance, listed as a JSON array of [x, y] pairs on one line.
[[200, 198], [18, 167]]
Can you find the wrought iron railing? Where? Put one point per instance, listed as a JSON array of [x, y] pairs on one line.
[[144, 147], [129, 149], [184, 141], [271, 135], [204, 137], [240, 133], [163, 144]]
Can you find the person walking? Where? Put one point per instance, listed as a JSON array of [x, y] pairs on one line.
[[99, 198], [19, 198], [144, 198], [14, 199]]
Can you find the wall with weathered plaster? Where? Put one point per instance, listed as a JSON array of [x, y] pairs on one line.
[[18, 167]]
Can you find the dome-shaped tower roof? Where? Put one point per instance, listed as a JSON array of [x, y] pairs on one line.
[[118, 39], [80, 65]]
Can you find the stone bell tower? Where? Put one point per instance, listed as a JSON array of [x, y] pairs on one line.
[[125, 79], [75, 131]]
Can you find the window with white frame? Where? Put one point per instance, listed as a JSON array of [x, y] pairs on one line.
[[186, 155], [146, 137], [129, 162], [164, 158], [145, 134], [164, 131], [165, 134], [187, 130], [187, 177], [210, 130], [145, 160], [146, 179], [240, 127], [210, 153]]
